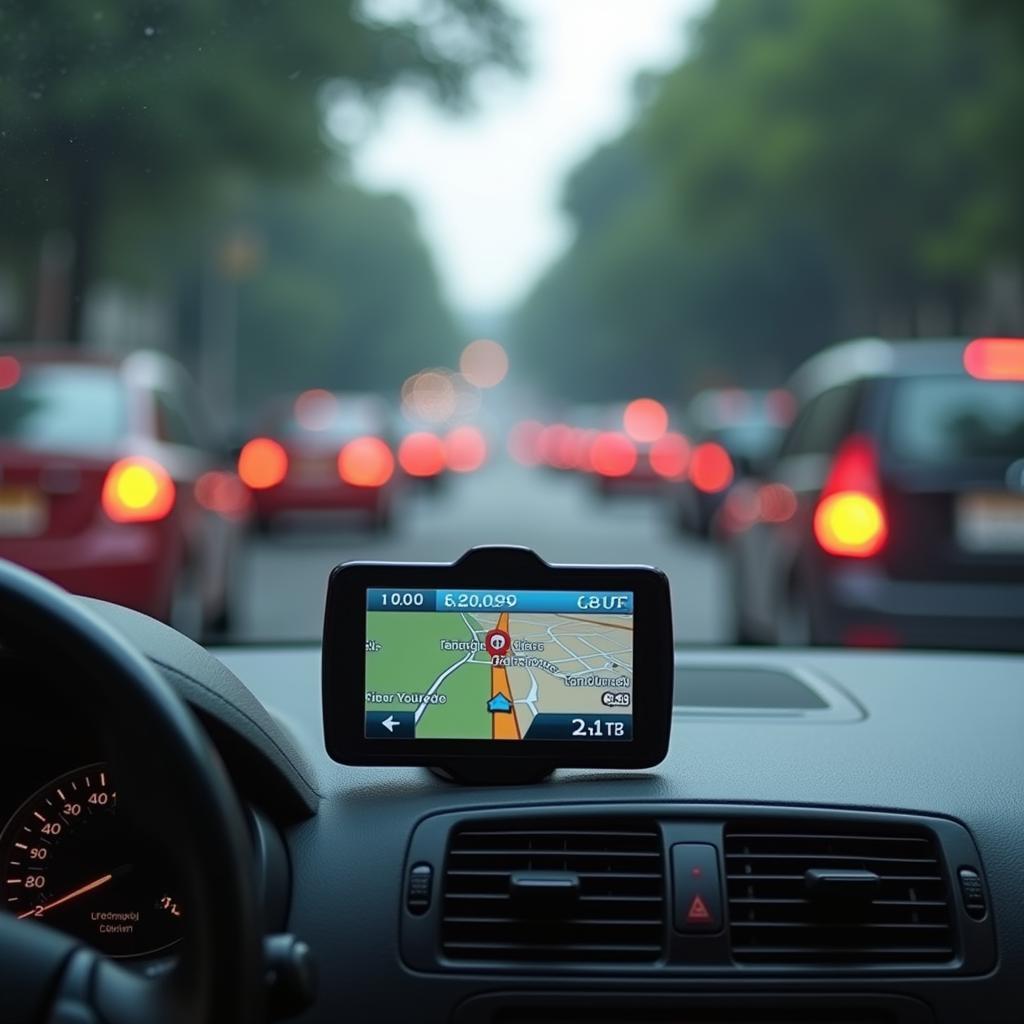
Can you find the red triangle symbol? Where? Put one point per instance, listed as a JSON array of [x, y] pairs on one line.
[[698, 911]]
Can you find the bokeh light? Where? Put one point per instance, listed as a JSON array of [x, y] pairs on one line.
[[465, 449], [421, 454], [613, 454], [10, 372], [645, 420], [670, 455], [430, 396], [263, 463], [711, 468], [366, 462], [315, 409], [524, 442], [484, 363]]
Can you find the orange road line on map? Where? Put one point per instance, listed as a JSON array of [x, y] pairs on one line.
[[504, 725]]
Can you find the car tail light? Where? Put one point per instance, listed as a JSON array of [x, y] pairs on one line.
[[137, 490], [465, 449], [612, 454], [524, 442], [711, 469], [995, 358], [669, 456], [263, 463], [850, 518], [222, 492], [366, 462], [10, 372], [645, 420], [421, 454]]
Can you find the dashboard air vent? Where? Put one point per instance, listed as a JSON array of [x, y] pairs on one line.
[[836, 894], [547, 892]]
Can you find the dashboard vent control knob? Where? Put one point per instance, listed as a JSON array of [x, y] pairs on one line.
[[973, 893]]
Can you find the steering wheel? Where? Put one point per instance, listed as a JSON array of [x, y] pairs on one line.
[[218, 975]]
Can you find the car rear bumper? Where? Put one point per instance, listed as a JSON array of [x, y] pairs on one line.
[[129, 564], [863, 604], [294, 498]]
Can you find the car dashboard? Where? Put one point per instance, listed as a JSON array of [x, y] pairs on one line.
[[834, 836]]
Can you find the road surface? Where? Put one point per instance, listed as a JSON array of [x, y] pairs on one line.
[[283, 577]]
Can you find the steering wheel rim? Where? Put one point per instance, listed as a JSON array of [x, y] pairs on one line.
[[217, 976]]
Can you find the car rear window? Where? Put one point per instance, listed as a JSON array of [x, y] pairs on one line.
[[346, 418], [957, 419], [63, 407]]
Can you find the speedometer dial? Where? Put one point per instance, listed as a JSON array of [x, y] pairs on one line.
[[71, 860]]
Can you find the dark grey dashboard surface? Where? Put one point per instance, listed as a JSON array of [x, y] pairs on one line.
[[941, 735]]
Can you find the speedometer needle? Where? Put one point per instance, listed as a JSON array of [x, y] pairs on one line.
[[39, 911]]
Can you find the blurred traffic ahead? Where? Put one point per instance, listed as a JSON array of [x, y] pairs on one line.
[[877, 499], [113, 487]]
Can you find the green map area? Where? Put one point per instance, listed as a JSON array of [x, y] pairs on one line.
[[435, 666]]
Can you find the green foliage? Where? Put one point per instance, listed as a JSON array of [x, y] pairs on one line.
[[345, 295], [813, 168], [140, 109]]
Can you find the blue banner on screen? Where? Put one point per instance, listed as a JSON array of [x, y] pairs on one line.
[[565, 602]]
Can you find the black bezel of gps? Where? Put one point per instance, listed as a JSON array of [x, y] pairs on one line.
[[344, 661]]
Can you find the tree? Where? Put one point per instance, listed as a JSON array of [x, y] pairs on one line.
[[811, 169], [345, 298], [107, 106]]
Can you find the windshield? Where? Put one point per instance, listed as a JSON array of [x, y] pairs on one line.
[[56, 408], [415, 275], [941, 420]]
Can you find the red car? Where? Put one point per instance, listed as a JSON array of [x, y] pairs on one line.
[[108, 485], [322, 451]]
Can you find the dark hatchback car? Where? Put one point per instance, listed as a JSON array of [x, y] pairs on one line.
[[894, 514]]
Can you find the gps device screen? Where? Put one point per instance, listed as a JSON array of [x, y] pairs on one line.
[[497, 667], [470, 664]]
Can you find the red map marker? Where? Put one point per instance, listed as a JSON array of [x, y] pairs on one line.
[[498, 643]]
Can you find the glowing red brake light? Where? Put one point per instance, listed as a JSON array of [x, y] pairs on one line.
[[262, 464], [711, 469], [366, 462], [850, 519], [612, 455], [995, 358], [137, 490], [670, 455], [465, 449], [645, 419], [10, 372], [421, 454]]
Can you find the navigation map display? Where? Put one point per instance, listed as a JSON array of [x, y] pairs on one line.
[[499, 665]]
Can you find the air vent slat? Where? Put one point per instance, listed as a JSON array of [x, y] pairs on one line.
[[616, 915], [774, 917]]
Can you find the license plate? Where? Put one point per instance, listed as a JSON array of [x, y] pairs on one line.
[[990, 523], [22, 512]]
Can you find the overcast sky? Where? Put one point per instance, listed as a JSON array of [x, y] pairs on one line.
[[486, 187]]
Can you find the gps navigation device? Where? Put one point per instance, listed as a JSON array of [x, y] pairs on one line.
[[498, 667]]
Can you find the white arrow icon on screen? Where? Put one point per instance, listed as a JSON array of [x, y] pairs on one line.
[[389, 723]]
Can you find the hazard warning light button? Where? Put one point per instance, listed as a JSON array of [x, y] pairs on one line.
[[696, 887]]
